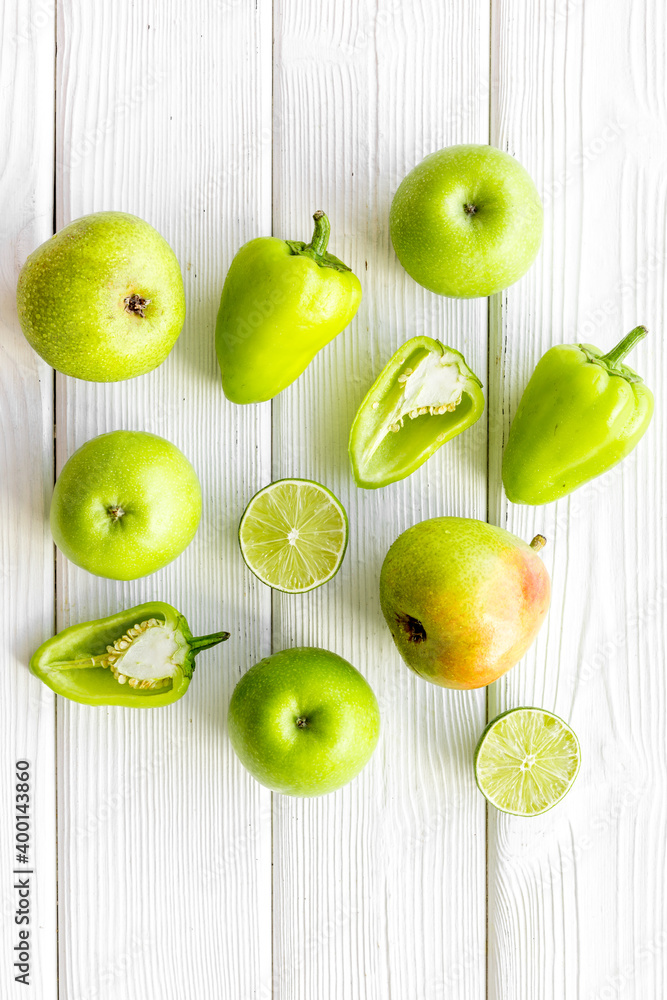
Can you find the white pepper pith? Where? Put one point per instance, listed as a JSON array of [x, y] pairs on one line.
[[117, 653]]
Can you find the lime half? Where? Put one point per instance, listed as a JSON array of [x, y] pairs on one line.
[[526, 761], [293, 535]]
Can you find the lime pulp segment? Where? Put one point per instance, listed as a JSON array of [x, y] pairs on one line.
[[526, 761], [293, 535]]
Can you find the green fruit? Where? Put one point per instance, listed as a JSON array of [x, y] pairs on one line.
[[526, 761], [125, 505], [467, 221], [463, 599], [293, 535], [303, 721], [103, 299]]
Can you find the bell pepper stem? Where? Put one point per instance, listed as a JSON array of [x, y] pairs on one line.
[[616, 355], [206, 641], [320, 239]]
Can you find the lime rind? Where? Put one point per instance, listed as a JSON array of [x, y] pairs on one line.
[[526, 761], [293, 535]]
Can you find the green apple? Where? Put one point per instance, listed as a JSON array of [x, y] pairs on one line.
[[103, 299], [303, 721], [467, 221], [125, 504]]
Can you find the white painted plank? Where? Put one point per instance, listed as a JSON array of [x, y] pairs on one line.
[[164, 110], [379, 889], [576, 900], [27, 712]]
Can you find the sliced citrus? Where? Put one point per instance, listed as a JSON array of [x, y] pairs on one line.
[[293, 535], [526, 761]]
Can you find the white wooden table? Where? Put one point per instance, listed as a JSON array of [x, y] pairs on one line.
[[177, 876]]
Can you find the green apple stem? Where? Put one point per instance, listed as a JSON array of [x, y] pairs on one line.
[[302, 722]]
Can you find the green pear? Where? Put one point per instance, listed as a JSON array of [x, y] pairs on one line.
[[103, 299], [463, 599]]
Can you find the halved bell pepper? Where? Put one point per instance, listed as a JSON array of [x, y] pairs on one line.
[[581, 413], [424, 396], [140, 658]]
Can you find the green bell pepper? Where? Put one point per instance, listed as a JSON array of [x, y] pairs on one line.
[[282, 301], [425, 395], [140, 658], [581, 413]]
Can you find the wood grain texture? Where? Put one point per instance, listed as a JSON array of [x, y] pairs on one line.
[[218, 120], [379, 889], [164, 110], [27, 709], [576, 901]]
